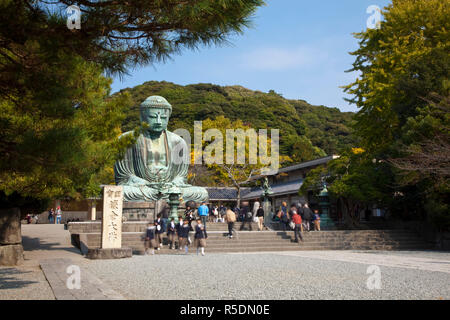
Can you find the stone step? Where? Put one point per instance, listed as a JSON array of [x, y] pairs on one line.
[[287, 248], [247, 241], [276, 240], [272, 236], [237, 243]]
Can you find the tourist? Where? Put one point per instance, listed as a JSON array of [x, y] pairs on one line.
[[316, 220], [256, 206], [36, 218], [200, 236], [284, 219], [51, 216], [245, 211], [58, 215], [164, 221], [260, 216], [150, 241], [203, 212], [222, 212], [297, 220], [28, 218], [216, 214], [307, 216], [301, 212], [237, 211], [159, 230], [189, 216], [183, 235], [171, 231], [230, 218], [177, 228]]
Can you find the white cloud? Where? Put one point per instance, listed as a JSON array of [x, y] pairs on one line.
[[279, 59]]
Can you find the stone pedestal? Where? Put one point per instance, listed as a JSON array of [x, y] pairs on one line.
[[139, 210], [11, 250], [113, 253]]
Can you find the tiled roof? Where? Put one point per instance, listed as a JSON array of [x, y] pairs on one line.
[[302, 165], [289, 187], [225, 193]]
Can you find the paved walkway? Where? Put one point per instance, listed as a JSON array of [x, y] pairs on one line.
[[72, 282], [47, 254]]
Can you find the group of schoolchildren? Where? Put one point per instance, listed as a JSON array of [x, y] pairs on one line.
[[176, 231]]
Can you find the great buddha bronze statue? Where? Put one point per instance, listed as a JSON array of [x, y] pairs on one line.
[[156, 166]]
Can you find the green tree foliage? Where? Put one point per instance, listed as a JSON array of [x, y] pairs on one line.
[[58, 123], [401, 63], [60, 141], [401, 66], [125, 33], [354, 183], [297, 121]]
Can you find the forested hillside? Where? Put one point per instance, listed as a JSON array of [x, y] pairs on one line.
[[306, 131]]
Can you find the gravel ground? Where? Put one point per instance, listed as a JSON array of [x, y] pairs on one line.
[[265, 276]]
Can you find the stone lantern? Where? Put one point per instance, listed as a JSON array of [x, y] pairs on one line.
[[324, 204]]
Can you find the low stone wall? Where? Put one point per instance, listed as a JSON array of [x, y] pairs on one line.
[[439, 240], [95, 226]]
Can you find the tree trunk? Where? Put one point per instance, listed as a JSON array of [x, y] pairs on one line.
[[238, 198], [11, 250]]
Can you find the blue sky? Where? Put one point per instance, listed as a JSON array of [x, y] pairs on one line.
[[298, 48]]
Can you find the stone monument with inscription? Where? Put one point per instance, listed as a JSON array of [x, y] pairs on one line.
[[111, 231]]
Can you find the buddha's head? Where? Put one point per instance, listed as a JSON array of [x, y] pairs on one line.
[[155, 111]]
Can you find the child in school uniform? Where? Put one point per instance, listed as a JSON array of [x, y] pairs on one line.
[[183, 235], [177, 228], [171, 230], [150, 241], [159, 231], [200, 236]]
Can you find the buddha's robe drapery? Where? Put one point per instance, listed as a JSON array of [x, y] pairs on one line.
[[141, 179]]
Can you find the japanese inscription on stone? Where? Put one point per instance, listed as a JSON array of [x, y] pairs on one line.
[[112, 217]]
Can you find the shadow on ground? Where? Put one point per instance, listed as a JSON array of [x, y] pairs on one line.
[[8, 281], [30, 244]]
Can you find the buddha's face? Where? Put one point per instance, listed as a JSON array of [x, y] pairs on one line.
[[156, 118]]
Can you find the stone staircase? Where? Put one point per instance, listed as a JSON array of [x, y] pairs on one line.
[[267, 240]]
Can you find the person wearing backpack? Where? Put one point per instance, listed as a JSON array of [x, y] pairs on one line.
[[284, 219], [230, 217]]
